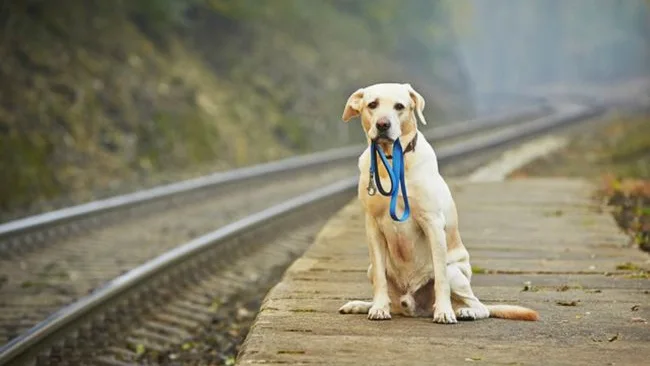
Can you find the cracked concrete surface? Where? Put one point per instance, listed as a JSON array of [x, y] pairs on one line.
[[540, 243]]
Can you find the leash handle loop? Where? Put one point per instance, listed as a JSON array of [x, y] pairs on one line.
[[396, 175]]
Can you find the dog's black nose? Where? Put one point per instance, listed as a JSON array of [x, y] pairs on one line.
[[383, 124]]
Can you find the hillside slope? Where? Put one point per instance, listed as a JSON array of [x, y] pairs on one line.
[[95, 93]]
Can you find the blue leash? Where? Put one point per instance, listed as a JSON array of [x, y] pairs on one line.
[[396, 174]]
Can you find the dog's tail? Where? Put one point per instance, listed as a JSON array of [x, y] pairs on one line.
[[512, 312]]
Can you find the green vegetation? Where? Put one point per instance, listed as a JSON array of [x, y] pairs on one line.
[[96, 93], [627, 184], [617, 145], [627, 149], [479, 270], [627, 267]]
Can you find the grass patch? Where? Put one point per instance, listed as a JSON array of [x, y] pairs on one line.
[[627, 267], [637, 272], [479, 270]]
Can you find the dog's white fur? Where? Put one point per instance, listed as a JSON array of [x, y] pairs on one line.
[[418, 267]]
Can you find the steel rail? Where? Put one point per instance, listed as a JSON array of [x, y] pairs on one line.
[[62, 323], [55, 218]]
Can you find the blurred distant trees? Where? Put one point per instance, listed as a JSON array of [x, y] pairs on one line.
[[514, 44]]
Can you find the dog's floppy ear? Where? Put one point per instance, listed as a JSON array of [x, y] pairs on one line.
[[353, 105], [418, 101]]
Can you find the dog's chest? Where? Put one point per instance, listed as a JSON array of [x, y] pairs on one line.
[[404, 241]]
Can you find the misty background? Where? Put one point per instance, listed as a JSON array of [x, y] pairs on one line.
[[103, 97], [516, 46]]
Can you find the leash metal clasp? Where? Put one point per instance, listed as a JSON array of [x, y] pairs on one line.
[[372, 189]]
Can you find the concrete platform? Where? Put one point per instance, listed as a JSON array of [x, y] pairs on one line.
[[547, 235]]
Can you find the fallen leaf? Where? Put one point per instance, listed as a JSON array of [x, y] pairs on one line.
[[233, 332], [140, 349], [472, 359], [563, 288], [567, 303], [528, 286], [214, 307], [243, 312]]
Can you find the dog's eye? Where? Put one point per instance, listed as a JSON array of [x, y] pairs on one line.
[[399, 106], [373, 105]]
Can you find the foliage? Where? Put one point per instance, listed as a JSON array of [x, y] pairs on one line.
[[630, 199]]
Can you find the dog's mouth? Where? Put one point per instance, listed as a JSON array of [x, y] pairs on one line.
[[382, 138]]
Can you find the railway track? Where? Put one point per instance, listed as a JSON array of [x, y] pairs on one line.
[[117, 321], [51, 260]]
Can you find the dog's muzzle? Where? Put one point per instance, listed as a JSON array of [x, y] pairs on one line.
[[383, 125], [383, 128]]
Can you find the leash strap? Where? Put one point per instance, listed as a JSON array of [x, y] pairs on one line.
[[396, 175], [375, 171]]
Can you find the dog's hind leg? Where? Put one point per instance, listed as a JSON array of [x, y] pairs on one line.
[[433, 225], [363, 307], [356, 307], [466, 305]]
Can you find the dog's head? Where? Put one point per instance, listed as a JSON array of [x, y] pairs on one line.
[[387, 110]]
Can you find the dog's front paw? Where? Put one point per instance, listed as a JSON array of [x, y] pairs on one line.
[[379, 313], [444, 315]]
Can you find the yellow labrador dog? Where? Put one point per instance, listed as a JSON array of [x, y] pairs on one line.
[[420, 266]]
